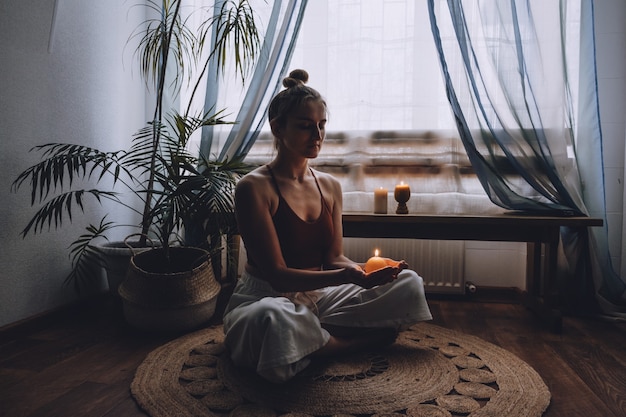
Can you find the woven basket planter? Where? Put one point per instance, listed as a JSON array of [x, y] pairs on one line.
[[170, 297]]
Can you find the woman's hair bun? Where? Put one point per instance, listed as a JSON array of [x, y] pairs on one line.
[[297, 76]]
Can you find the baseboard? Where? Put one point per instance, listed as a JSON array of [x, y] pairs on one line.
[[483, 294], [44, 319]]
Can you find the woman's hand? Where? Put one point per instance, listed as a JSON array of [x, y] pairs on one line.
[[399, 264], [378, 277]]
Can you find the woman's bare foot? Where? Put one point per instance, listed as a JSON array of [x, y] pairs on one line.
[[365, 339]]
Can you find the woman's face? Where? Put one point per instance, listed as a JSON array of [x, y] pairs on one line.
[[304, 130]]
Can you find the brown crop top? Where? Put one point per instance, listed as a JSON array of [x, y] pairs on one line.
[[303, 244]]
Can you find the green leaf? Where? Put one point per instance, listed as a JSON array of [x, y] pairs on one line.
[[55, 209], [83, 255]]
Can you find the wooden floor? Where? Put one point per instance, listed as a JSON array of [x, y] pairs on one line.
[[80, 362]]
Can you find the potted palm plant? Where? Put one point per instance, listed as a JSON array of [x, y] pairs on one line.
[[178, 190]]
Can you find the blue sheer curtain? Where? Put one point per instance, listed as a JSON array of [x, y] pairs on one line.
[[278, 23], [520, 78], [282, 23]]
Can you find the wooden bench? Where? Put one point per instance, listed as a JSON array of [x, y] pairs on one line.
[[541, 233]]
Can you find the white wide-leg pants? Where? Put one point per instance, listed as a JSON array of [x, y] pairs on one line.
[[274, 332]]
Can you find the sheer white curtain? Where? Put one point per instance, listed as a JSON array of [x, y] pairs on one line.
[[243, 101], [529, 100], [376, 64], [513, 71]]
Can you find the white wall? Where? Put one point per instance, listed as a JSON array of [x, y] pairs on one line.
[[65, 77], [610, 16]]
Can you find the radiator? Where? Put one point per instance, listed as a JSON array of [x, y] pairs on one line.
[[439, 262]]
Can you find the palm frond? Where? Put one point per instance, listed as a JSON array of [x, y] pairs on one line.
[[236, 32], [210, 194], [55, 210], [166, 35], [84, 256], [144, 147], [62, 164]]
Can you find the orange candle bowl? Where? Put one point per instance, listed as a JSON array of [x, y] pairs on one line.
[[376, 262]]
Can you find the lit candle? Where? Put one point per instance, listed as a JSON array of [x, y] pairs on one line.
[[375, 263], [380, 200], [402, 191], [402, 194]]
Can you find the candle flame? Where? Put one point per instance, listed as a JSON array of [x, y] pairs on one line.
[[376, 252]]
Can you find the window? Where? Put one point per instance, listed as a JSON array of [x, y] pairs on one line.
[[389, 119]]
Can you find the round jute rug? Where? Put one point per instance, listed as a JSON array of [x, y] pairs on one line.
[[428, 372]]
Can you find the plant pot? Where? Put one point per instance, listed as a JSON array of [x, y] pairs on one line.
[[175, 297], [116, 256]]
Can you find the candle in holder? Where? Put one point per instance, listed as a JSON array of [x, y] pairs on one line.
[[375, 263], [380, 200], [402, 194]]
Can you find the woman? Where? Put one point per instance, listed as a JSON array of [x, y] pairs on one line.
[[299, 296]]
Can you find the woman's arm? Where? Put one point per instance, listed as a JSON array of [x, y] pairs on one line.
[[336, 259]]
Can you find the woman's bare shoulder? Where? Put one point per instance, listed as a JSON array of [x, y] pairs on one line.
[[328, 180], [255, 178], [255, 187]]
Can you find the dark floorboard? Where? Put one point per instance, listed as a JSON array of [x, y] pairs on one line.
[[81, 361]]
